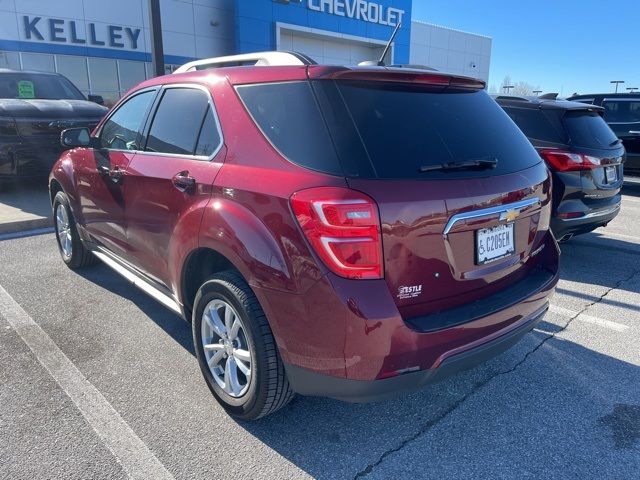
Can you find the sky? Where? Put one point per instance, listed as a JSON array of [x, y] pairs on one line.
[[562, 46]]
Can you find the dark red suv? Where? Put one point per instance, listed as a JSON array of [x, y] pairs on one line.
[[346, 232]]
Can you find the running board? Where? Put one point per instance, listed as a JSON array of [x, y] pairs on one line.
[[143, 285]]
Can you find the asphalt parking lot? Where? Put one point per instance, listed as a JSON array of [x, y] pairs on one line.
[[99, 381]]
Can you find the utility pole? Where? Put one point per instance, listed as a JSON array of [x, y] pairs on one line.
[[157, 50], [507, 88], [537, 92], [632, 89], [617, 82]]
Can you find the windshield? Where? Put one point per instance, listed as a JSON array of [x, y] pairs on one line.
[[27, 86]]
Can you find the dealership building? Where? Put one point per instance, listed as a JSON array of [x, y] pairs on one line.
[[104, 46]]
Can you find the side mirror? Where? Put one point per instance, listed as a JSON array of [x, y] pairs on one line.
[[96, 99], [75, 137]]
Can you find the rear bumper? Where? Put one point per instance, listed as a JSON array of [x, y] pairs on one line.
[[346, 338], [592, 218], [307, 382]]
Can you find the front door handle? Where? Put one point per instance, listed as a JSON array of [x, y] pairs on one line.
[[634, 132], [183, 181], [115, 174]]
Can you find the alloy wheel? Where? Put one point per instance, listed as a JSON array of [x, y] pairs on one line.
[[64, 231], [226, 348]]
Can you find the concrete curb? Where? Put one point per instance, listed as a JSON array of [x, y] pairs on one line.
[[23, 225]]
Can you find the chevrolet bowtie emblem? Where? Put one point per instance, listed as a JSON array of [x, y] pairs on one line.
[[510, 215]]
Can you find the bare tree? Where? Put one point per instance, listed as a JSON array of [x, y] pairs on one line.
[[518, 88]]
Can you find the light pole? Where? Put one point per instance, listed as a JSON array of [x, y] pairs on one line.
[[537, 92], [157, 50], [507, 88], [617, 82], [632, 89]]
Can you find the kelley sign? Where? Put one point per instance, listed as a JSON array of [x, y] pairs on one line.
[[66, 31], [360, 10]]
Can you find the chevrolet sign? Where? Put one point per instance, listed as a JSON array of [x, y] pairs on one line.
[[359, 10]]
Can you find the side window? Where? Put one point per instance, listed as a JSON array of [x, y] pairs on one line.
[[178, 121], [209, 138], [622, 111], [121, 130]]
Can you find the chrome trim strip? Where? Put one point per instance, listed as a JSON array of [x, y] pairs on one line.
[[599, 213], [139, 282], [485, 212]]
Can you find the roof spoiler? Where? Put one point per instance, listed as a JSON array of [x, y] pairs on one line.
[[549, 96]]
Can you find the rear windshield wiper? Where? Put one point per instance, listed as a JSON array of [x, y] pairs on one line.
[[464, 165]]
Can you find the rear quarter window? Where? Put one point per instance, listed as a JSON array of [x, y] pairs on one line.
[[536, 124], [289, 117]]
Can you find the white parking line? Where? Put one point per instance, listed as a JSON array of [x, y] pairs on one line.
[[583, 317], [130, 451]]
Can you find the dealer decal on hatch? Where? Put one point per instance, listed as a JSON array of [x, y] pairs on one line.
[[411, 291]]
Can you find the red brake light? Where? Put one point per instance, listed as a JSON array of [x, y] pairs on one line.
[[343, 227], [562, 161]]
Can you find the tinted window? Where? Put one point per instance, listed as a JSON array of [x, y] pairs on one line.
[[534, 123], [288, 115], [622, 111], [32, 85], [121, 130], [588, 129], [404, 128], [209, 138], [177, 121]]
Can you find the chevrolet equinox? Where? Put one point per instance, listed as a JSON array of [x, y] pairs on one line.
[[354, 233]]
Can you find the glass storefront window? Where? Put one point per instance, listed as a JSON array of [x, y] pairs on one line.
[[38, 61], [131, 74], [103, 74], [75, 69], [10, 60]]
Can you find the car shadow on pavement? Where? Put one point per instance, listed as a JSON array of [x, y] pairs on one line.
[[494, 411], [167, 320]]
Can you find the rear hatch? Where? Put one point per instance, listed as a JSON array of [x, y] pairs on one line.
[[451, 234], [590, 136], [454, 234]]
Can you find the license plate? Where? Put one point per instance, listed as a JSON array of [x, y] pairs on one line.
[[494, 243], [611, 174]]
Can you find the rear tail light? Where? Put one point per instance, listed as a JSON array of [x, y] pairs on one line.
[[562, 161], [343, 227]]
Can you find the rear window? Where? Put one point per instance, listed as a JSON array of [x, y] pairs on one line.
[[588, 129], [536, 124], [406, 128], [382, 130]]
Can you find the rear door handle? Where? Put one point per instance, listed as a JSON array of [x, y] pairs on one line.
[[182, 181]]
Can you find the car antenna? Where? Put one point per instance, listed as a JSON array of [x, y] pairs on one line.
[[380, 63]]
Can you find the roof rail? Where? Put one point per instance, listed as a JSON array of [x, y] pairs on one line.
[[260, 59]]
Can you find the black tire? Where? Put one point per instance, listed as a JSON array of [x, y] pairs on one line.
[[268, 388], [80, 256]]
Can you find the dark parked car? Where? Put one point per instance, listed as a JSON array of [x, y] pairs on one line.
[[34, 108], [622, 113], [583, 154], [346, 232]]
